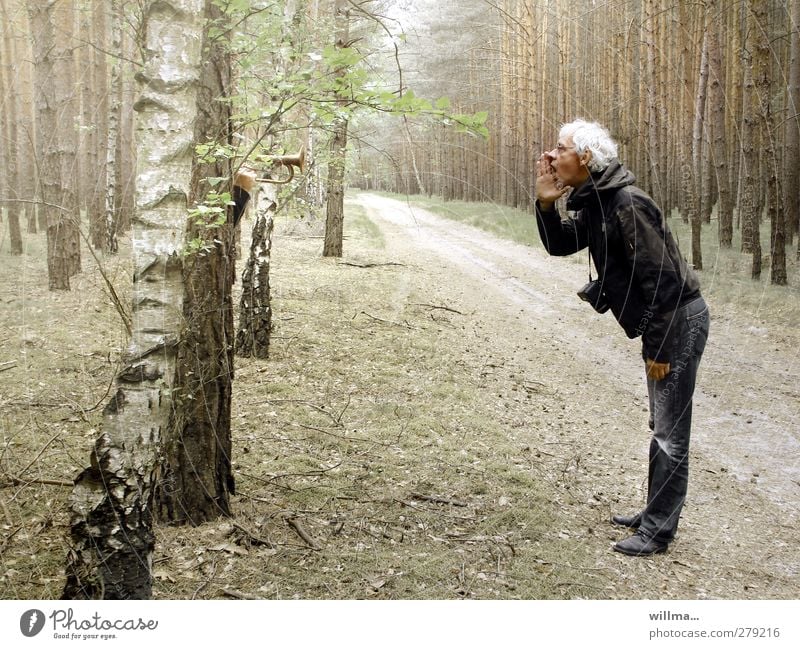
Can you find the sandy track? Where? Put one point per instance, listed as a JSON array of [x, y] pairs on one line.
[[745, 475]]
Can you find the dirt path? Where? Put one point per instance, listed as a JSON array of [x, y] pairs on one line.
[[745, 479]]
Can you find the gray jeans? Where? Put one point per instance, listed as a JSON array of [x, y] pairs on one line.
[[671, 422]]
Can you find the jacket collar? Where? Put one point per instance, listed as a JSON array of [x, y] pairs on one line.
[[614, 176]]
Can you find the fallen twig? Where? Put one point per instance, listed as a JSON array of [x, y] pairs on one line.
[[112, 293], [236, 594], [7, 540], [333, 417], [108, 390], [15, 481], [39, 454], [301, 532], [205, 584], [348, 438], [255, 540], [436, 306], [6, 513], [439, 499], [581, 584], [388, 263], [389, 322], [7, 365]]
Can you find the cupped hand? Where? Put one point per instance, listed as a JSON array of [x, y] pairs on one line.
[[548, 187]]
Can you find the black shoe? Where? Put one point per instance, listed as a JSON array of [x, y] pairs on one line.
[[639, 545], [627, 521]]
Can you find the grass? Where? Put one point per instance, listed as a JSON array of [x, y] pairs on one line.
[[65, 345]]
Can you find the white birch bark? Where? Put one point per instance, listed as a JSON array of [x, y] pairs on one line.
[[114, 109], [111, 503]]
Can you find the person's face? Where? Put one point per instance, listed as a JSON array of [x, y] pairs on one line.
[[570, 168]]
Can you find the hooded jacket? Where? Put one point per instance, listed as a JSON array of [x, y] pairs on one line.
[[643, 275]]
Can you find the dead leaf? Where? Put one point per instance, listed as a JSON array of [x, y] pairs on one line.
[[229, 547], [163, 575]]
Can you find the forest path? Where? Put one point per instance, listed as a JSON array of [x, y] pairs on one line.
[[745, 474]]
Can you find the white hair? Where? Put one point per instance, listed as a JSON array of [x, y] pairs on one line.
[[590, 136]]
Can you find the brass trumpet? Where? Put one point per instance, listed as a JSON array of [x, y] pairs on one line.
[[290, 162]]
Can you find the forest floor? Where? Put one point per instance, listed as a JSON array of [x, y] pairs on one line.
[[440, 416]]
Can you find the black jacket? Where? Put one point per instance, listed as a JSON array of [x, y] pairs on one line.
[[642, 273]]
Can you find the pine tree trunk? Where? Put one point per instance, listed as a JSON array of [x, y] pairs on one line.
[[697, 155], [792, 159], [68, 98], [197, 477], [334, 220], [716, 98], [752, 206], [126, 149], [648, 114], [19, 107], [112, 514], [9, 150], [52, 62], [771, 156]]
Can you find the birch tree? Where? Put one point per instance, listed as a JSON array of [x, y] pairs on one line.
[[113, 117], [197, 478], [255, 308], [111, 503]]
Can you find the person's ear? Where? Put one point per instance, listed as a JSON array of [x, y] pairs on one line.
[[586, 156]]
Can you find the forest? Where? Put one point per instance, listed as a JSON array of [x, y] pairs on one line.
[[372, 384]]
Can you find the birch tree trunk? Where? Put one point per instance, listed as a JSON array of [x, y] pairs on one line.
[[113, 116], [197, 477], [255, 307], [112, 535], [334, 219]]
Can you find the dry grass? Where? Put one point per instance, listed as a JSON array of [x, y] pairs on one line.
[[368, 426], [64, 346]]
